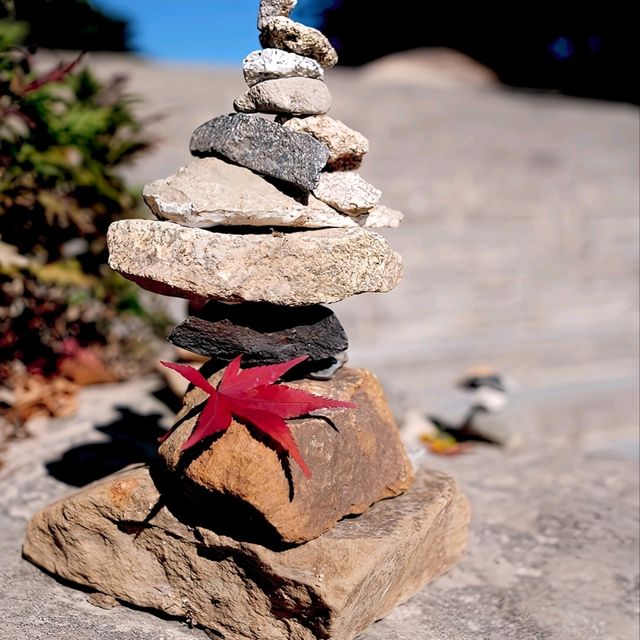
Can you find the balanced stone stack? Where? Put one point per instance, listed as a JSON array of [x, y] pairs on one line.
[[270, 222]]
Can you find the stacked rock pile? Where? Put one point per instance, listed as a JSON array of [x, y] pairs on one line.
[[270, 222]]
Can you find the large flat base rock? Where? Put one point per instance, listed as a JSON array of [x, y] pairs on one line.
[[117, 537]]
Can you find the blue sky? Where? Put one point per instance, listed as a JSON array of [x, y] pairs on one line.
[[222, 31]]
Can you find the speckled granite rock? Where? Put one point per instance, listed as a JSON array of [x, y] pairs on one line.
[[293, 157], [347, 192], [283, 33], [356, 459], [346, 146], [118, 537], [269, 9], [262, 333], [295, 268], [300, 96], [269, 64]]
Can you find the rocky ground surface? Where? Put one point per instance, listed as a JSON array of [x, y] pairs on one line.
[[520, 245]]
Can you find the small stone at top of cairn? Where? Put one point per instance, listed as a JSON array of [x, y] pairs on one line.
[[269, 223]]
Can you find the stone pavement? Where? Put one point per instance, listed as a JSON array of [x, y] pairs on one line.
[[552, 552], [521, 251]]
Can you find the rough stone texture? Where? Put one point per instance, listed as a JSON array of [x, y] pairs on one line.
[[211, 192], [525, 574], [347, 192], [294, 269], [283, 33], [346, 146], [299, 96], [108, 538], [264, 334], [379, 217], [356, 461], [562, 322], [263, 146], [269, 9], [270, 64]]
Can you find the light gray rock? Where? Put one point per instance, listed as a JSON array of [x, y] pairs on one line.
[[295, 269], [346, 146], [269, 9], [346, 191], [118, 537], [380, 216], [300, 96], [210, 192], [335, 364], [270, 64], [283, 33], [263, 146]]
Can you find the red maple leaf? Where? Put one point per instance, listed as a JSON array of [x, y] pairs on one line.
[[253, 396]]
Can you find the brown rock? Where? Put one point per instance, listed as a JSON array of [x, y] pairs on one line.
[[356, 462], [346, 146], [118, 537], [282, 33], [294, 269]]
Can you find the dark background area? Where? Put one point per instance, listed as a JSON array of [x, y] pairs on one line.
[[581, 50], [69, 24]]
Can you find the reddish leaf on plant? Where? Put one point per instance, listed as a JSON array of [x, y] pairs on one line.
[[253, 396]]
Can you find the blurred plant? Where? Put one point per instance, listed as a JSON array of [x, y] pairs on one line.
[[63, 134]]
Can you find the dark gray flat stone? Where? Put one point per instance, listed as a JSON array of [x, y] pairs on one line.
[[263, 146], [263, 333]]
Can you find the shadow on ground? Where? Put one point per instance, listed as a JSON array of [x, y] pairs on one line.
[[133, 438]]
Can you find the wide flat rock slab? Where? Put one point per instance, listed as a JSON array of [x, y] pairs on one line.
[[117, 537], [263, 146], [212, 192], [294, 269], [355, 455], [261, 333]]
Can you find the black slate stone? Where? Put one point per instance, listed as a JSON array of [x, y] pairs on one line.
[[264, 333], [263, 146]]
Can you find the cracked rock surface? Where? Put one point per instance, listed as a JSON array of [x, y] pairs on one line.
[[119, 537], [295, 268]]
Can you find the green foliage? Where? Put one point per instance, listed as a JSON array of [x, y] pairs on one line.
[[63, 137]]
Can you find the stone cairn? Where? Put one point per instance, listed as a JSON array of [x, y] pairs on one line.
[[270, 221]]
